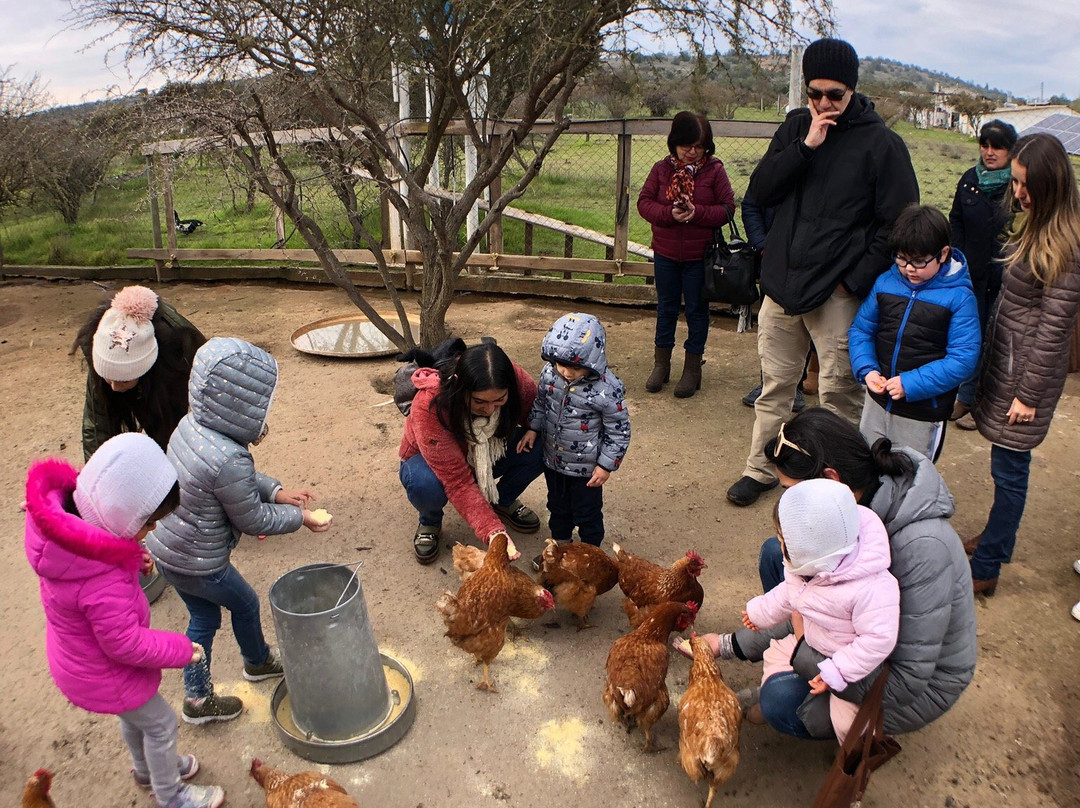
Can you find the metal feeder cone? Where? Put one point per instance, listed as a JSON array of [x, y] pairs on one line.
[[335, 704]]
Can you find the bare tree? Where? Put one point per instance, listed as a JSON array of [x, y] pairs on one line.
[[77, 158], [478, 59], [19, 138], [971, 107]]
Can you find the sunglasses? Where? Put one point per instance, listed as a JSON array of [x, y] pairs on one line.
[[916, 263], [835, 94], [781, 442]]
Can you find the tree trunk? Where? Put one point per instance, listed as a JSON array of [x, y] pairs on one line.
[[437, 294]]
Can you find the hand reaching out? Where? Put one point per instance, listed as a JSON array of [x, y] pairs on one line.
[[299, 497], [313, 524], [528, 440], [817, 685], [746, 621]]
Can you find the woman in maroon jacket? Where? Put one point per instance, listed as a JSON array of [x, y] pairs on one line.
[[461, 435], [686, 195]]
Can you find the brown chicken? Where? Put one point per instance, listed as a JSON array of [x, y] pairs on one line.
[[577, 573], [477, 615], [529, 600], [36, 792], [709, 722], [646, 584], [636, 692], [304, 790]]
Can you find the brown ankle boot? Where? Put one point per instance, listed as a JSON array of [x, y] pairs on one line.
[[690, 382], [661, 371]]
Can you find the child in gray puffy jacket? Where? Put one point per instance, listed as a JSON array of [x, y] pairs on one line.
[[580, 411]]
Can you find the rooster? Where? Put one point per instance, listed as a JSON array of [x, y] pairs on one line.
[[529, 600], [577, 573], [477, 615], [709, 721], [645, 584], [636, 692], [304, 790], [36, 792]]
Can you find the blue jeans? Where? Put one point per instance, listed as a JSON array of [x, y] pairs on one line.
[[205, 596], [571, 502], [1010, 470], [515, 472], [678, 281], [771, 564]]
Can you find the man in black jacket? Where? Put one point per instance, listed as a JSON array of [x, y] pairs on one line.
[[837, 177]]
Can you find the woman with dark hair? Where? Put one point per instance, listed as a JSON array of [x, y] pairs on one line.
[[686, 196], [1026, 354], [934, 658], [138, 351], [978, 220], [460, 436]]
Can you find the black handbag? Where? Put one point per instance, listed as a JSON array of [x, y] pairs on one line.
[[731, 269]]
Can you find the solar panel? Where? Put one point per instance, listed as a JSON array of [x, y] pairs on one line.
[[1065, 128]]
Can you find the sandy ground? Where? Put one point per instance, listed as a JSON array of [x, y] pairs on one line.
[[545, 738]]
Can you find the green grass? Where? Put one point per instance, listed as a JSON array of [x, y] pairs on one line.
[[576, 185]]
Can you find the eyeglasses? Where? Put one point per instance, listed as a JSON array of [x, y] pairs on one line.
[[834, 94], [781, 442], [692, 147], [915, 263]]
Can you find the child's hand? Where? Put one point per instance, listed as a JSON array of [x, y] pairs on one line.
[[527, 441], [746, 621], [817, 685], [599, 477], [314, 524], [198, 654], [300, 497], [875, 382], [147, 564], [895, 388]]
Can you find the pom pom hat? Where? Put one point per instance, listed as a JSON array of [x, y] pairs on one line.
[[819, 520], [125, 347], [832, 59], [123, 483]]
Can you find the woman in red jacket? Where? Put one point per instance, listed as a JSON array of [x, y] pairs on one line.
[[460, 436], [686, 196]]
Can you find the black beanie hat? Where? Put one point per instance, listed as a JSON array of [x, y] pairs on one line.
[[831, 59]]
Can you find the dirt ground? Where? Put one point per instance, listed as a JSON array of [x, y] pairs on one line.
[[545, 738]]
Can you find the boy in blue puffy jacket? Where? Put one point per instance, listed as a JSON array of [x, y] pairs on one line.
[[581, 413], [916, 337]]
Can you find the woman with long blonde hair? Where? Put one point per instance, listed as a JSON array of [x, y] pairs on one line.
[[1027, 347]]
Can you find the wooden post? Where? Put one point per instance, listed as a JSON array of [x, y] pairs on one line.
[[495, 232], [527, 247], [170, 206], [622, 197], [568, 252], [155, 212]]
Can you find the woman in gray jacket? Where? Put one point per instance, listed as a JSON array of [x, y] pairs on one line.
[[222, 496], [1027, 344]]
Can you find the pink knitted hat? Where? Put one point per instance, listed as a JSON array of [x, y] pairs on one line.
[[125, 347]]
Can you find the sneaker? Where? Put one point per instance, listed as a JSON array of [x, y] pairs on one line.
[[1076, 566], [425, 543], [198, 797], [189, 767], [212, 708], [751, 398], [270, 669], [1076, 611], [747, 490], [518, 516]]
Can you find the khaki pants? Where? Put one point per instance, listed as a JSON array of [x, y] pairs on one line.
[[783, 341]]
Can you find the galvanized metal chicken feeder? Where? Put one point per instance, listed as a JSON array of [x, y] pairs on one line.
[[152, 585], [340, 700]]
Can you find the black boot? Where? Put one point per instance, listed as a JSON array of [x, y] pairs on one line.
[[661, 371], [690, 382]]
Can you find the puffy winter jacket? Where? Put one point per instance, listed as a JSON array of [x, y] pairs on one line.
[[834, 205], [102, 653], [934, 658], [1027, 355], [221, 494], [584, 424], [978, 223], [714, 205], [447, 458], [851, 614], [926, 333]]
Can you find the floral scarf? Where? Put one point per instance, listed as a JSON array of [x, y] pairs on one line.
[[682, 180], [485, 450]]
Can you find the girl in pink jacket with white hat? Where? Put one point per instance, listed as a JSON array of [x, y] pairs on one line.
[[82, 538], [837, 590]]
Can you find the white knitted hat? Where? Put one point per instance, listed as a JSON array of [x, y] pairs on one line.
[[123, 483], [820, 522], [125, 347]]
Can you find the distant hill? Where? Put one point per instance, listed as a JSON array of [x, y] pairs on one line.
[[889, 71]]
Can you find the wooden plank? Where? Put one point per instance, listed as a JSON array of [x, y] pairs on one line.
[[622, 197], [170, 205]]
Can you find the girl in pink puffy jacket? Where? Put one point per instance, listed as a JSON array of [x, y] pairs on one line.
[[82, 538], [837, 591]]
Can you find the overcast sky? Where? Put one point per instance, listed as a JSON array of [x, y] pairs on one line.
[[1013, 45]]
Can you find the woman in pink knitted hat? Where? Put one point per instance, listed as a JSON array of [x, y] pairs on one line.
[[139, 352]]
